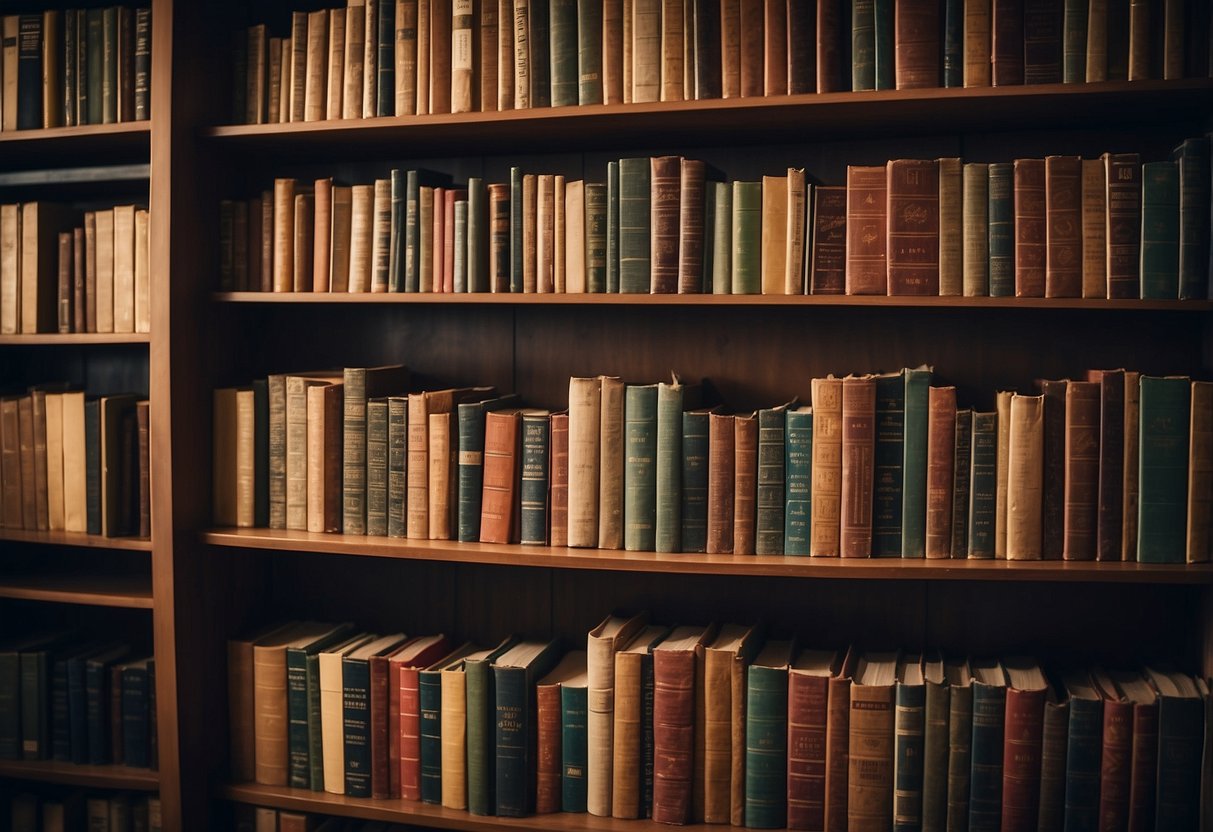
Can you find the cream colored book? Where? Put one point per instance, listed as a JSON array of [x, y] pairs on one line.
[[143, 271], [381, 234], [673, 46], [284, 235], [245, 456], [10, 268], [774, 234], [1094, 230], [322, 235], [951, 210], [826, 484], [423, 58], [105, 271], [54, 461], [315, 87], [585, 412], [362, 229], [574, 237], [355, 46], [976, 209], [646, 50], [601, 645], [794, 236], [462, 55], [75, 495], [725, 661], [370, 59], [297, 447], [522, 54], [628, 13], [273, 96], [505, 54], [559, 242], [332, 711], [342, 229], [1025, 478], [1002, 469], [335, 76], [124, 268], [610, 464]]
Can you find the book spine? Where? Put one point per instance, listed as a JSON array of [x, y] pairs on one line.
[[1025, 467], [935, 754], [1042, 42], [135, 715], [838, 719], [1021, 759], [798, 468], [941, 452], [826, 488], [356, 731], [397, 465], [1051, 816], [354, 453], [863, 45], [1030, 228], [909, 730], [1074, 43], [953, 43], [769, 538], [916, 436], [858, 444], [513, 739], [691, 227], [717, 731], [867, 230], [668, 481], [870, 758], [96, 681], [808, 697], [976, 248], [1124, 192], [314, 726], [60, 745], [977, 30], [1116, 764], [559, 494], [596, 233], [917, 44], [1094, 241], [664, 195], [1144, 766], [960, 738], [1179, 760], [1164, 412], [376, 466], [548, 790], [828, 250], [747, 238], [430, 747], [673, 733], [1081, 470], [471, 470], [1083, 750], [299, 772], [950, 224], [1007, 42], [533, 491], [1063, 227], [1192, 158], [1002, 230], [745, 483], [634, 226], [695, 482], [708, 81], [1160, 230], [986, 754], [766, 748], [961, 487]]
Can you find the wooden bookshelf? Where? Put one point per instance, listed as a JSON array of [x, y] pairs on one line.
[[94, 777], [99, 142], [73, 339], [77, 539], [95, 590]]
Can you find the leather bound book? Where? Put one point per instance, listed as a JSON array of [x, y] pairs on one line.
[[1030, 228], [1054, 736], [793, 256], [776, 44], [501, 470], [1165, 408], [1082, 60], [639, 470], [751, 39], [1123, 183], [1159, 230], [610, 464], [1007, 42], [941, 452], [828, 248], [913, 227], [668, 464], [694, 477], [917, 45], [866, 265], [665, 206], [689, 245], [730, 48], [725, 664], [769, 538], [953, 43], [533, 468], [951, 225], [1021, 757], [870, 755], [1192, 157], [1143, 753], [79, 283], [963, 459], [1042, 33], [284, 235], [858, 446], [1081, 470], [888, 464], [914, 462], [645, 49], [935, 747], [601, 645], [548, 791], [718, 253], [677, 671], [1200, 473], [802, 41], [986, 754], [1024, 478], [1115, 767], [829, 47], [404, 675], [774, 234], [584, 414], [766, 737], [304, 240], [909, 728], [631, 766], [323, 477], [429, 697], [1132, 466], [838, 742], [1063, 227], [559, 494], [977, 26], [721, 482], [745, 483], [1003, 467], [573, 741], [674, 28], [1094, 230], [958, 677], [359, 721], [826, 488], [1180, 740], [863, 45], [1053, 500], [1109, 519], [1001, 240], [976, 251], [1083, 751], [808, 701]]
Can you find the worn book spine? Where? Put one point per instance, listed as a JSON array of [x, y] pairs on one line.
[[548, 791], [1132, 466], [941, 451], [595, 224], [917, 45], [1200, 474], [356, 681], [916, 434], [1002, 404], [1165, 405], [1021, 759], [746, 255], [1053, 497], [376, 466], [827, 469], [668, 464], [533, 490], [870, 758], [1075, 55], [909, 729], [769, 536], [1192, 157], [1081, 470], [397, 464], [1051, 816], [1083, 750], [708, 49], [977, 30], [1042, 42], [717, 733], [1115, 766], [858, 448], [750, 39], [1111, 439], [322, 239], [986, 754], [888, 465], [1063, 227], [635, 242], [323, 458], [745, 482], [950, 224], [558, 499], [353, 479], [808, 698], [774, 234], [664, 195], [673, 729], [953, 43], [335, 75], [1094, 230], [828, 247], [976, 262], [867, 233], [961, 484], [611, 464], [694, 475], [1002, 234], [982, 485], [1123, 184], [913, 227], [690, 227], [1160, 230], [1025, 459], [471, 423], [1144, 765], [1007, 47], [1030, 228], [863, 45], [429, 690], [766, 747], [721, 460], [798, 472], [830, 51], [585, 396], [501, 477]]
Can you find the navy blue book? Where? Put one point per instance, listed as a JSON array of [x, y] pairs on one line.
[[514, 674], [1084, 747]]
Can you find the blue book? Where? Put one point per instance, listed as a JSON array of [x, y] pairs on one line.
[[989, 719], [136, 713], [429, 694], [1084, 745], [514, 675], [798, 466], [766, 737], [910, 728]]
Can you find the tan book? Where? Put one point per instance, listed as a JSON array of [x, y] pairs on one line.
[[425, 242], [273, 82], [1132, 466], [442, 476], [826, 485], [143, 271], [646, 50], [1097, 41], [339, 247], [297, 446], [530, 233], [381, 234], [1200, 473], [463, 72], [977, 43], [284, 235], [522, 54], [268, 206], [774, 234], [672, 49], [405, 54], [124, 268], [322, 235], [54, 462], [1002, 468], [332, 710], [362, 229], [355, 46], [257, 51], [419, 470], [976, 210], [610, 465], [241, 712], [304, 241], [10, 269], [40, 226], [559, 237], [574, 237], [630, 660], [423, 57], [603, 641], [75, 497], [286, 80], [612, 51], [453, 719], [1094, 230], [370, 58], [628, 13], [1025, 478], [244, 457], [298, 64], [870, 755], [724, 687], [794, 237], [223, 457], [52, 68], [334, 79], [951, 225], [8, 71], [585, 413], [505, 54], [105, 267], [324, 425], [315, 86], [440, 57], [545, 232]]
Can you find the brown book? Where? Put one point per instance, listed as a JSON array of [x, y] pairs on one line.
[[10, 462], [951, 226], [335, 74], [432, 278], [1200, 476], [941, 452], [355, 57], [838, 742], [284, 235], [809, 679], [829, 43], [610, 464], [775, 37], [143, 417], [241, 712], [90, 271], [1116, 758], [742, 59], [721, 482], [560, 233], [256, 50], [1110, 519], [976, 43], [673, 48], [774, 234], [666, 172], [802, 46], [124, 268], [1053, 746], [1030, 224], [1139, 40], [29, 484], [267, 241], [794, 282], [324, 455], [63, 284], [559, 488], [239, 248], [858, 444], [1143, 756], [1002, 405], [1082, 470], [913, 227], [612, 51], [1094, 230], [916, 44], [1123, 182], [322, 237], [273, 103], [745, 483], [298, 65], [341, 231], [829, 244], [440, 57], [501, 447], [487, 24], [304, 241], [1025, 458], [315, 88], [1132, 461], [1053, 495], [530, 236], [725, 663], [545, 234], [463, 57], [1063, 227], [677, 683], [1007, 42], [826, 485], [420, 465], [1042, 36], [691, 221], [442, 476], [79, 307], [870, 775], [1021, 755], [505, 55], [866, 268], [499, 237]]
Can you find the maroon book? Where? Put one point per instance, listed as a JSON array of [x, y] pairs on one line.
[[941, 453], [1006, 18], [1021, 754], [808, 700], [867, 232], [380, 777], [665, 208], [858, 448], [675, 663], [1063, 227], [828, 247], [913, 232], [1030, 236], [1082, 470]]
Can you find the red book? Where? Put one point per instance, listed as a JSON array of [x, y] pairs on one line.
[[437, 239], [858, 447], [548, 762], [1006, 19], [866, 270], [1116, 760], [1063, 227], [808, 701], [559, 489], [838, 745], [380, 742], [913, 233], [677, 664], [1082, 470], [916, 44], [404, 772], [1021, 753], [666, 172], [941, 450], [1030, 233], [829, 244], [745, 483], [1143, 757], [1052, 518], [500, 476]]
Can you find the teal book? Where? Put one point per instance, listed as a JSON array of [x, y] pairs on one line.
[[298, 705], [574, 738], [721, 270], [477, 255], [885, 76], [429, 698], [863, 45], [356, 710], [983, 485], [960, 482], [481, 731], [515, 672], [798, 473], [460, 283], [766, 737], [376, 466], [747, 238], [694, 481], [589, 52], [1162, 502], [1194, 186], [909, 725], [565, 46], [668, 534], [395, 269], [595, 237], [95, 26], [914, 464], [60, 719], [635, 272], [887, 464], [1160, 230], [1084, 742], [397, 463], [612, 228], [261, 453], [1001, 238], [768, 538], [470, 470], [1074, 42], [533, 489], [640, 469], [989, 716], [516, 229], [953, 43]]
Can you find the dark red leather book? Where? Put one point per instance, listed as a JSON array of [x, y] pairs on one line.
[[838, 739], [1063, 227], [1116, 760], [1082, 470], [1007, 39], [867, 231], [913, 230], [379, 693], [666, 185], [858, 449], [941, 453], [808, 702], [547, 763], [1030, 236], [721, 462], [1052, 521], [1110, 517], [916, 44], [1026, 690], [675, 676]]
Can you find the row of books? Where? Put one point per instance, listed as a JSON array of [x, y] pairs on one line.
[[1116, 466], [415, 57], [80, 811], [63, 698], [1059, 227], [76, 463], [70, 67], [717, 724], [57, 276], [264, 819]]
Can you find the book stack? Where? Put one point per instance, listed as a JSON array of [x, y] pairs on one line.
[[259, 818], [78, 702], [416, 57], [75, 463], [781, 736], [67, 68], [56, 811], [1115, 466], [94, 277], [1058, 227]]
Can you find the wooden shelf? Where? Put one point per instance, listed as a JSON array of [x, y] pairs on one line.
[[127, 140], [734, 121], [63, 339], [95, 541], [95, 590], [513, 299], [699, 564], [99, 777]]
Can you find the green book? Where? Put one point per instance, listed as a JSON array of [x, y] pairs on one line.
[[722, 238], [412, 231], [1162, 503], [533, 469], [1001, 240], [798, 473], [315, 754], [863, 45], [515, 672], [935, 743], [395, 268], [1074, 42], [983, 485], [986, 751], [962, 459], [914, 464], [470, 471], [96, 64], [953, 43], [566, 46], [481, 698], [299, 704], [885, 76], [82, 68], [640, 470], [909, 731], [589, 53], [1193, 159], [385, 52], [460, 283], [109, 82], [958, 679], [768, 537], [595, 237], [376, 466], [747, 238], [35, 694], [516, 229], [71, 40], [1160, 230], [477, 256], [694, 481], [887, 464], [397, 463], [568, 684], [766, 737], [635, 273], [668, 534], [612, 228]]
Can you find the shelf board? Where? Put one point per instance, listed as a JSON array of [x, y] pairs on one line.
[[99, 777], [56, 177], [903, 302], [74, 338], [737, 120], [94, 541], [128, 140], [700, 564], [97, 590]]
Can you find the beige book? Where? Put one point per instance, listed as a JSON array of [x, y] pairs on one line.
[[54, 461], [976, 209], [585, 412], [425, 240], [299, 65], [334, 80], [273, 82], [1132, 465], [1097, 41], [286, 80], [558, 237], [223, 457], [342, 229], [143, 271], [574, 237], [303, 240], [297, 448], [730, 40], [977, 43], [315, 87], [362, 229], [794, 247], [725, 661], [322, 236], [646, 50], [332, 712], [423, 57], [629, 27], [601, 644], [442, 477], [951, 274], [381, 234], [245, 455], [105, 269], [545, 233], [284, 235], [405, 55], [626, 721], [267, 240], [1025, 478], [1094, 230], [610, 465], [324, 457], [52, 69], [522, 54], [370, 59], [826, 485], [11, 25], [124, 268], [673, 43], [530, 236], [1200, 472], [774, 234], [688, 50], [75, 496], [257, 48], [355, 45], [10, 269], [1002, 468], [462, 55], [505, 54]]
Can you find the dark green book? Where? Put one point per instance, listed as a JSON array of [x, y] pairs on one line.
[[477, 236], [96, 64], [1162, 503], [634, 222], [481, 715], [386, 51], [356, 707], [1160, 230], [694, 481], [261, 453], [914, 464], [533, 467], [397, 463], [541, 51], [574, 741], [589, 53], [768, 538], [935, 745], [798, 473], [143, 64], [595, 237], [71, 51], [1181, 713], [136, 713], [887, 464], [395, 269], [109, 83], [885, 76], [565, 45], [612, 228], [953, 43], [1193, 159], [92, 464], [668, 533], [983, 485], [766, 737], [35, 690], [640, 468], [353, 458], [516, 212], [863, 45], [989, 715], [1074, 42], [77, 707], [1001, 241], [515, 672], [962, 459], [82, 68], [376, 466], [470, 471], [747, 238], [299, 704], [910, 733], [460, 283], [412, 231], [1083, 752], [315, 744], [429, 695]]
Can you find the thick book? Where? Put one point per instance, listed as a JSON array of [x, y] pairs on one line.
[[1042, 42], [1021, 759], [502, 451], [639, 470], [1081, 470], [913, 225], [514, 673], [1180, 740], [959, 679], [665, 206], [668, 475], [798, 476], [766, 737], [634, 225], [1025, 453], [951, 225], [858, 445], [632, 726], [1159, 230], [941, 454], [300, 654], [611, 464], [1192, 158], [535, 477], [1030, 228], [570, 674], [1007, 46], [1115, 765], [745, 483], [986, 753], [914, 466], [601, 644], [917, 45], [871, 748], [694, 481], [888, 461], [769, 531], [1063, 227], [826, 478], [809, 676], [1123, 184], [1162, 501], [677, 665], [909, 725], [1083, 750], [867, 232], [746, 252], [724, 719], [1054, 738], [1002, 235]]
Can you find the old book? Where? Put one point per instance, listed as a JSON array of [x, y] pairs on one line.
[[774, 235], [1200, 469], [909, 729], [1007, 42], [635, 220], [639, 470], [585, 413], [1179, 748], [1021, 761], [863, 45], [501, 476], [80, 286], [1083, 748], [284, 235], [958, 678], [950, 223], [691, 229], [766, 742], [1081, 470], [1077, 57], [1030, 228], [324, 423], [118, 465], [603, 641], [358, 717], [871, 752], [334, 77], [725, 664], [430, 476], [1001, 240], [750, 39], [37, 251], [1109, 518], [303, 238], [317, 55], [986, 753], [917, 45], [558, 499], [809, 677], [1042, 42], [798, 460], [827, 468], [1159, 230], [1192, 158], [355, 59], [963, 458], [718, 250], [677, 674], [63, 290], [1132, 466], [746, 252], [404, 671], [555, 739], [297, 445], [1025, 478], [1063, 227], [866, 268], [1054, 738], [1003, 406], [74, 464], [888, 467], [143, 279], [1053, 509], [665, 191], [721, 483], [914, 466], [1094, 230], [1115, 767], [632, 725], [953, 43], [745, 483], [1165, 406], [1142, 767], [545, 234], [941, 451], [362, 384], [322, 238], [829, 241], [858, 446], [693, 498], [1123, 187], [672, 41]]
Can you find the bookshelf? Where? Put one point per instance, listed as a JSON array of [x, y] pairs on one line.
[[93, 777]]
